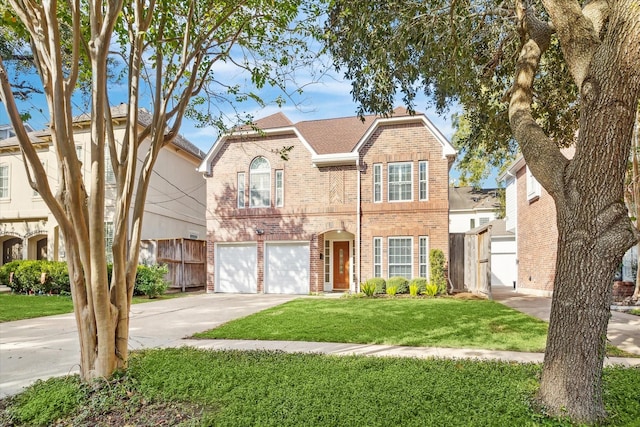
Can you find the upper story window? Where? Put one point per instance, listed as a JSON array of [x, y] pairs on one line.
[[400, 182], [241, 189], [423, 180], [377, 182], [260, 183], [533, 186], [279, 188], [4, 181], [109, 175]]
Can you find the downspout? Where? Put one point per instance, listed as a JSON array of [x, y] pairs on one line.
[[358, 226]]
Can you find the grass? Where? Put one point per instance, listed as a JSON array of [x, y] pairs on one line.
[[635, 311], [442, 322], [19, 307], [191, 387]]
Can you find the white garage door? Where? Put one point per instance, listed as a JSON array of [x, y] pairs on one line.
[[236, 268], [287, 268]]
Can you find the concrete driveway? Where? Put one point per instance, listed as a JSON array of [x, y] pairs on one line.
[[48, 346]]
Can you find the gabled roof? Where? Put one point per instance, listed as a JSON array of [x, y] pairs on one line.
[[498, 228], [330, 141], [469, 198], [118, 112]]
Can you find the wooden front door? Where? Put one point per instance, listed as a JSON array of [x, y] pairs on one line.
[[341, 266]]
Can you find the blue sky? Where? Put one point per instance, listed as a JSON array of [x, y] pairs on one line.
[[328, 98]]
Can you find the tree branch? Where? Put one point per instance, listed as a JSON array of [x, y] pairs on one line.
[[578, 36], [541, 153]]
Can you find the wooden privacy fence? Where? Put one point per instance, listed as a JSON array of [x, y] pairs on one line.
[[186, 259], [456, 261], [477, 261]]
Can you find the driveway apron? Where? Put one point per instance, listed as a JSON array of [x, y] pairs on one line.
[[40, 348]]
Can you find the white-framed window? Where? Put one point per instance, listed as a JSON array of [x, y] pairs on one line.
[[423, 247], [484, 220], [44, 166], [400, 256], [533, 186], [279, 188], [377, 182], [327, 261], [400, 182], [193, 235], [80, 153], [377, 257], [241, 189], [4, 181], [423, 180], [260, 183], [108, 240], [109, 175]]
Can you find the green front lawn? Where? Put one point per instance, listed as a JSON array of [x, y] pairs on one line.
[[204, 388], [19, 307], [440, 322]]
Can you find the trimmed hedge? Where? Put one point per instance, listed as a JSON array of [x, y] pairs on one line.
[[401, 284], [28, 278], [380, 284]]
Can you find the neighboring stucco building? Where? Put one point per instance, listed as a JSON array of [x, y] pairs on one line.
[[174, 205], [353, 201]]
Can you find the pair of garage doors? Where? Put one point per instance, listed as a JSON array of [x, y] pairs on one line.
[[286, 268]]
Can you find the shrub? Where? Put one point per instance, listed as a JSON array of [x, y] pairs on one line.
[[28, 275], [437, 260], [431, 290], [5, 272], [379, 283], [401, 284], [58, 276], [150, 280], [420, 282], [368, 288], [413, 290], [392, 290]]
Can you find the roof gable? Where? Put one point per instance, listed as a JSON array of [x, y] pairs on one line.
[[331, 142]]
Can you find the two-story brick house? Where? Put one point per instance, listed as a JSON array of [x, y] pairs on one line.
[[354, 200]]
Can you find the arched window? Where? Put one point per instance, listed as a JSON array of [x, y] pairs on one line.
[[260, 183]]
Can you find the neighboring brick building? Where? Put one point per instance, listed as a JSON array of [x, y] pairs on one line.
[[353, 201], [531, 214]]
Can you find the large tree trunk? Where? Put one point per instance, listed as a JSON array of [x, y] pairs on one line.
[[594, 229]]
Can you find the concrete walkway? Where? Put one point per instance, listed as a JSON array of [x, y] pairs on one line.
[[45, 347], [623, 330]]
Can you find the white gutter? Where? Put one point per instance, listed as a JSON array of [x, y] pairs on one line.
[[358, 226], [335, 159]]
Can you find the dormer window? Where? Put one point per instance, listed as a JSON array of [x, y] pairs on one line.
[[260, 183]]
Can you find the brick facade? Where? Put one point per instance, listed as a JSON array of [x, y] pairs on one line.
[[537, 239], [321, 202]]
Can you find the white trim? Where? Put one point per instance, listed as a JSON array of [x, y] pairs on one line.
[[447, 148], [380, 184], [217, 146], [389, 238], [279, 204], [335, 159], [8, 166], [377, 239], [411, 177], [426, 180], [241, 202]]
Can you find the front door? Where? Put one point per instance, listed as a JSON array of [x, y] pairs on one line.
[[341, 266]]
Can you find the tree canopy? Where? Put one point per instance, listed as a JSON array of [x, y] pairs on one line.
[[458, 53], [545, 74], [171, 55]]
